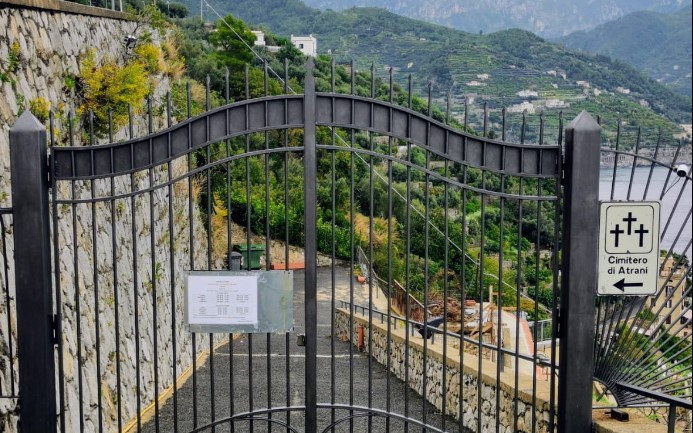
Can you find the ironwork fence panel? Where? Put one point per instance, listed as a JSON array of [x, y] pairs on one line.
[[147, 211], [447, 159], [645, 341]]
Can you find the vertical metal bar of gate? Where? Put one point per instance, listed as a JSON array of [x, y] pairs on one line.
[[578, 274], [32, 253], [310, 229]]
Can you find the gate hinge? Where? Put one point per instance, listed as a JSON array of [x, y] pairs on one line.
[[559, 323], [54, 326]]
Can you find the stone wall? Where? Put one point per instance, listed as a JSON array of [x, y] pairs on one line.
[[51, 36], [528, 407], [533, 398]]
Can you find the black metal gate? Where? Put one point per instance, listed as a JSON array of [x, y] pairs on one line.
[[467, 223]]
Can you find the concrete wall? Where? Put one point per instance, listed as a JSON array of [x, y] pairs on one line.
[[51, 36]]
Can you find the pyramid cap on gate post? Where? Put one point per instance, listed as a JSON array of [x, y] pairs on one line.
[[27, 122], [584, 122]]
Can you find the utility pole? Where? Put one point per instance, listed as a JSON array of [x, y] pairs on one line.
[[202, 18]]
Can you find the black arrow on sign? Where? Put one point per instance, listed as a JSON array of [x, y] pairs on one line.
[[621, 285]]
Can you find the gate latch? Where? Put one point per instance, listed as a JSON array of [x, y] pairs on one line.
[[301, 340]]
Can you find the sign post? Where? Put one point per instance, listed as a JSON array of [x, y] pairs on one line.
[[628, 248]]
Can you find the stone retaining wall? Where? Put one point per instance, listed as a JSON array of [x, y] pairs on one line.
[[51, 35], [528, 407]]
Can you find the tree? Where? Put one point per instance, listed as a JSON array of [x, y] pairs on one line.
[[172, 9], [233, 40]]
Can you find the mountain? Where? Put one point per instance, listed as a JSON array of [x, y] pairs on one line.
[[662, 51], [512, 68], [548, 18]]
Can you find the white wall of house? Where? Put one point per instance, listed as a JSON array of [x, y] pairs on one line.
[[259, 38], [308, 45]]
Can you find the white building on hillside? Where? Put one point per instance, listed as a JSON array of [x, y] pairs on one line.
[[259, 38], [308, 45]]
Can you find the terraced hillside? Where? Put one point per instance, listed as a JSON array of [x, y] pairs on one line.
[[663, 51], [513, 68]]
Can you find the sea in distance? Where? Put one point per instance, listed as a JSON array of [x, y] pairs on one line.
[[656, 184]]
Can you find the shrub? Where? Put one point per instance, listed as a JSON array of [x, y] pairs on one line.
[[12, 63], [110, 86], [40, 108], [151, 57]]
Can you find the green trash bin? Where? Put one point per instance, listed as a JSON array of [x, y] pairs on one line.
[[252, 256]]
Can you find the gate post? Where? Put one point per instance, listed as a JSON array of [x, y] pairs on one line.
[[311, 256], [578, 274], [32, 254]]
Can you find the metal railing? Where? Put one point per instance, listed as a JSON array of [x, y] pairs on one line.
[[672, 402], [413, 327], [542, 330]]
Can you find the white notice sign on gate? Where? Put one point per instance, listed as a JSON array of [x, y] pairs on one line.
[[222, 300], [628, 248]]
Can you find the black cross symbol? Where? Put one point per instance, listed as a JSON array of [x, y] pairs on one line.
[[630, 220], [617, 231], [641, 232]]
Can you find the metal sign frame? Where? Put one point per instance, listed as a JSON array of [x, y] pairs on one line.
[[271, 306], [628, 248]]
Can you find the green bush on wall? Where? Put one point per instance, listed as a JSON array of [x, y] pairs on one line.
[[110, 87]]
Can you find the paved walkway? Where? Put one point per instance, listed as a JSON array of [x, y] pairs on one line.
[[273, 367]]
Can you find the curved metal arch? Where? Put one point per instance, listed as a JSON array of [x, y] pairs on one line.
[[286, 112], [356, 112], [239, 118], [366, 411], [255, 416], [186, 175]]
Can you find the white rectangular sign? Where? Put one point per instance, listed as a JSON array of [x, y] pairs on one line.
[[222, 300], [628, 248]]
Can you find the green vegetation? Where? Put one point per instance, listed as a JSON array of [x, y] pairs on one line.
[[229, 197], [9, 67], [110, 88], [40, 108], [514, 61], [663, 51], [668, 350], [404, 244], [172, 9]]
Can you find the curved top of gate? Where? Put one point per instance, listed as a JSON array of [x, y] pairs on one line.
[[288, 111]]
